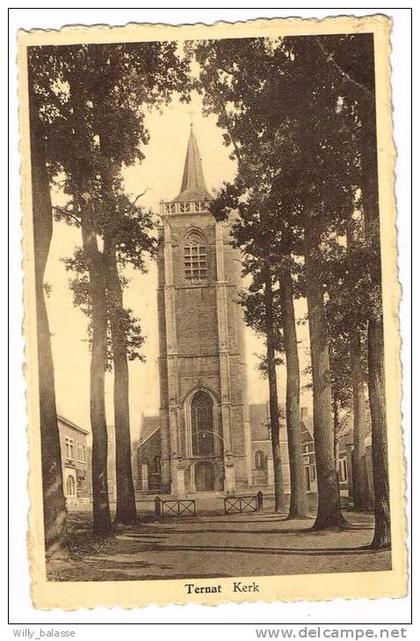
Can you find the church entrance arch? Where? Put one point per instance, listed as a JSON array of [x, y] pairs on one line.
[[204, 476]]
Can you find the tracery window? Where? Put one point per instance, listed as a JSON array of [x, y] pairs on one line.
[[202, 424], [195, 257], [259, 460]]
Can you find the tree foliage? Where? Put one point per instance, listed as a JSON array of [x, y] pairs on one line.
[[297, 112]]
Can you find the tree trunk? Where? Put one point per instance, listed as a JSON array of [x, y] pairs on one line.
[[83, 199], [336, 423], [101, 511], [328, 511], [382, 534], [54, 503], [376, 375], [126, 502], [298, 500], [279, 498], [361, 498]]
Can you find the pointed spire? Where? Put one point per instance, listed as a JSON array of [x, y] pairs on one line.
[[193, 186]]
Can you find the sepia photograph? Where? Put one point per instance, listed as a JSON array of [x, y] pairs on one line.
[[211, 302]]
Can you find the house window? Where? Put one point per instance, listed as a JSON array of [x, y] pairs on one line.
[[343, 470], [156, 464], [259, 460], [81, 486], [195, 258], [69, 447], [70, 486], [81, 452]]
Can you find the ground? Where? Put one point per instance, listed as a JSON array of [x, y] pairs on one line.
[[217, 545]]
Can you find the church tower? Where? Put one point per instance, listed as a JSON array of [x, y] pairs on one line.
[[204, 417]]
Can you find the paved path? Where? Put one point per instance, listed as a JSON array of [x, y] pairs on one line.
[[220, 546]]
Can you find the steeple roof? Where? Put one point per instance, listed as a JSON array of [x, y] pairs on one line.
[[193, 186]]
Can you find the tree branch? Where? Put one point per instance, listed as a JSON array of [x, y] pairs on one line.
[[65, 212], [330, 58], [139, 196], [232, 140]]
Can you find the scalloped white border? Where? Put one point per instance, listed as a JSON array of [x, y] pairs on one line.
[[375, 584]]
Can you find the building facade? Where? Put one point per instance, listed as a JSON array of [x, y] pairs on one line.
[[262, 469], [262, 453], [204, 421], [149, 456], [75, 460]]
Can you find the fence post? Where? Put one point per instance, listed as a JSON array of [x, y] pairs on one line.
[[158, 506], [259, 500]]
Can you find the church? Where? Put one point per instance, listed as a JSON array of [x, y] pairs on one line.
[[207, 438], [203, 441]]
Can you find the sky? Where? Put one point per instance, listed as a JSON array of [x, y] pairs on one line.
[[159, 175]]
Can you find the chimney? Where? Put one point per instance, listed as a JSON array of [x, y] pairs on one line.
[[303, 413]]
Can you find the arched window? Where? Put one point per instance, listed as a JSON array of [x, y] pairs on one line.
[[195, 257], [259, 460], [202, 424], [71, 486], [156, 464]]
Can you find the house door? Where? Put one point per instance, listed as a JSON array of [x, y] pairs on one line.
[[204, 476]]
